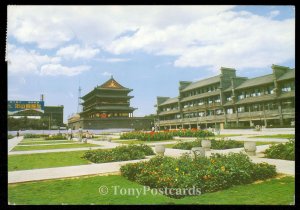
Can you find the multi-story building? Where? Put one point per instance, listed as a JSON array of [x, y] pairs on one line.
[[108, 106], [231, 101]]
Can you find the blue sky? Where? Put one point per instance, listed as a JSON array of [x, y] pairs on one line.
[[51, 50]]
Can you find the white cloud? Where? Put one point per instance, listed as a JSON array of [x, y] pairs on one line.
[[21, 60], [197, 36], [58, 69], [274, 13], [106, 73], [75, 52], [116, 60]]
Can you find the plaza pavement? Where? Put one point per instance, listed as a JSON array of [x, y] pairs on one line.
[[282, 166]]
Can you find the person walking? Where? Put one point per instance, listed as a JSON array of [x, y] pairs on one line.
[[80, 134]]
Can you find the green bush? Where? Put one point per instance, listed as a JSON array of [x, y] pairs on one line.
[[9, 136], [166, 135], [187, 145], [215, 144], [31, 135], [209, 174], [284, 151], [120, 153], [56, 137]]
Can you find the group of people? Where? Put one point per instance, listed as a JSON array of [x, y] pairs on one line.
[[83, 136]]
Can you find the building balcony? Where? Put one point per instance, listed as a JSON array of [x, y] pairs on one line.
[[175, 111]]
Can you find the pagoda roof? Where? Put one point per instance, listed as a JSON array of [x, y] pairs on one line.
[[112, 84], [111, 108]]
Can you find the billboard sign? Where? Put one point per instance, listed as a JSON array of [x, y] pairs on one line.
[[15, 107]]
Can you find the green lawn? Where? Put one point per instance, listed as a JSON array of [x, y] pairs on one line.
[[281, 136], [34, 139], [85, 190], [45, 160], [59, 146], [227, 135], [44, 142]]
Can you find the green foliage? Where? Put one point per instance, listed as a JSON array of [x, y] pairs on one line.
[[9, 136], [31, 135], [192, 133], [209, 174], [226, 144], [285, 151], [120, 153], [215, 144], [187, 145], [58, 136], [166, 135], [28, 124]]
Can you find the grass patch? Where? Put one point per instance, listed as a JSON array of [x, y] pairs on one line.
[[33, 139], [280, 136], [46, 160], [227, 135], [44, 142], [58, 146], [85, 190]]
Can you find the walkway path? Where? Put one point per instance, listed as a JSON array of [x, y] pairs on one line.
[[63, 172], [14, 142]]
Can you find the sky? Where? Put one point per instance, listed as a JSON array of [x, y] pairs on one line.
[[52, 50]]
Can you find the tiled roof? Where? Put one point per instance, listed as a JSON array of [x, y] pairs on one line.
[[202, 83], [170, 101], [257, 81], [288, 75]]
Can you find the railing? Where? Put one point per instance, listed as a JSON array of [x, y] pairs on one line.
[[289, 110], [169, 112]]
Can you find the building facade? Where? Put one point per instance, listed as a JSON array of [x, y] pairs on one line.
[[108, 106], [52, 115], [230, 101]]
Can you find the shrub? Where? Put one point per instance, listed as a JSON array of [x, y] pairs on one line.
[[120, 153], [166, 135], [285, 151], [209, 174], [187, 145], [9, 136], [215, 144], [58, 136], [31, 135]]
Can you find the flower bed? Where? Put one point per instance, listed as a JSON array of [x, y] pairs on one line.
[[284, 151], [120, 153], [209, 174], [215, 144], [166, 135]]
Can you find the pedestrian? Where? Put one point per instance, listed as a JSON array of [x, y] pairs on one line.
[[18, 134], [80, 134]]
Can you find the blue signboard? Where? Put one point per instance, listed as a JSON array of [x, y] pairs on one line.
[[14, 107]]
